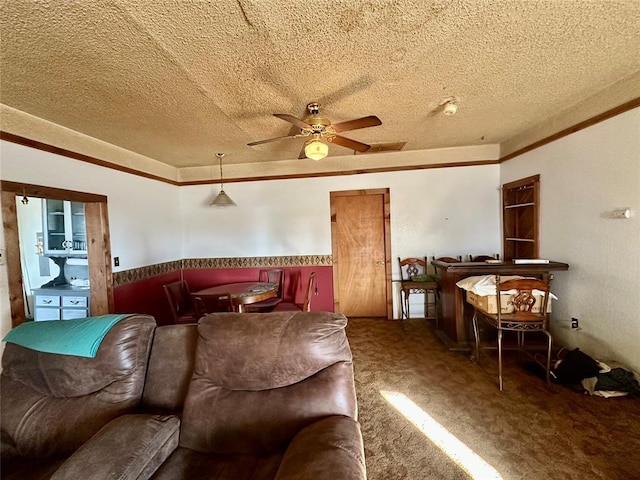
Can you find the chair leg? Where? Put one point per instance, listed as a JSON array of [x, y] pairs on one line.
[[548, 369], [500, 357], [476, 334], [426, 304], [406, 297]]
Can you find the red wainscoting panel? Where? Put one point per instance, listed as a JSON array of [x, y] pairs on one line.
[[147, 296]]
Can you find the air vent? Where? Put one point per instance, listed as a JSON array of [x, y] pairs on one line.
[[384, 147]]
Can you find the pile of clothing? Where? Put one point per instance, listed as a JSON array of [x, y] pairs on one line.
[[579, 371]]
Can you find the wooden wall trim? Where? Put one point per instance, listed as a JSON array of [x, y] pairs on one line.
[[10, 137], [625, 107], [12, 248], [40, 191], [45, 147], [142, 273], [99, 257]]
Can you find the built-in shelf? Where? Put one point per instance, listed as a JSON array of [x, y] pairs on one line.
[[520, 201], [521, 205], [520, 240]]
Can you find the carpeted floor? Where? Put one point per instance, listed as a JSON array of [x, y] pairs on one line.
[[528, 431]]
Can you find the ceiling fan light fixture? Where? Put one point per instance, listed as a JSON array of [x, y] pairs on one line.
[[316, 150], [222, 199]]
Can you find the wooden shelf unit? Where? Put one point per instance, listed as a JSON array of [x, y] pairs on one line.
[[520, 216]]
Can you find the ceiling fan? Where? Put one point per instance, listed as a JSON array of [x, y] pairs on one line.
[[317, 128]]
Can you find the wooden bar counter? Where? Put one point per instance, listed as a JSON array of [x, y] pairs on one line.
[[454, 323]]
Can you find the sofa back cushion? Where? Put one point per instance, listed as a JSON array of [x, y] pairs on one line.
[[259, 378], [51, 403], [170, 367]]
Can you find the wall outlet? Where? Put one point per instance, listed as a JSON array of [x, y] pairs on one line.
[[116, 261], [574, 322]]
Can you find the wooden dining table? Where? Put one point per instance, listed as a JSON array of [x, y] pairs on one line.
[[242, 293]]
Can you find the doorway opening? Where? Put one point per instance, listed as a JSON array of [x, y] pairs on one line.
[[97, 244]]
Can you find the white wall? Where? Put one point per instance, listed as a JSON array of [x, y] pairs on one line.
[[144, 215], [583, 177], [442, 211], [435, 212]]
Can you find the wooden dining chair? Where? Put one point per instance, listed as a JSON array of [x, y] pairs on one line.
[[449, 259], [212, 304], [312, 289], [180, 302], [414, 279], [271, 275], [527, 310]]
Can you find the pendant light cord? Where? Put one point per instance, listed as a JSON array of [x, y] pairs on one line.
[[220, 155]]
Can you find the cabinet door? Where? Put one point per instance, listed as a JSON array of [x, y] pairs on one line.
[[77, 228], [71, 313], [64, 227], [68, 301], [47, 314], [54, 226]]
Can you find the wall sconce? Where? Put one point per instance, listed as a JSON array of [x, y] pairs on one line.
[[621, 213]]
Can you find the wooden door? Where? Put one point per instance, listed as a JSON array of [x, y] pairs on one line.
[[361, 253]]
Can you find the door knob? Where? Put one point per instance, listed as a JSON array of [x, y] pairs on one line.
[[381, 262]]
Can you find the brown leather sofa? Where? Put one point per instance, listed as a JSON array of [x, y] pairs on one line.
[[259, 395], [266, 395], [54, 408]]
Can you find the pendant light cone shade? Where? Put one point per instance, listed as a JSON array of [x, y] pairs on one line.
[[316, 150], [222, 199]]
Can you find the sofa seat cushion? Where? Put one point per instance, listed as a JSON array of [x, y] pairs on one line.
[[33, 469], [186, 463]]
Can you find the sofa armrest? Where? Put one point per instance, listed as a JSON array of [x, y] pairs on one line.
[[327, 449], [128, 447]]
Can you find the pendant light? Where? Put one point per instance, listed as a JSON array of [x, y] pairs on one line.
[[222, 199]]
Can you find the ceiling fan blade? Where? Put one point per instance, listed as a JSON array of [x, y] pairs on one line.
[[291, 119], [350, 144], [364, 122], [302, 154], [260, 142]]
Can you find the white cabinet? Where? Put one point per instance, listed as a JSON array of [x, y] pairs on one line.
[[64, 227], [64, 303]]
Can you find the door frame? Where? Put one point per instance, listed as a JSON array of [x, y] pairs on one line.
[[386, 199], [98, 244]]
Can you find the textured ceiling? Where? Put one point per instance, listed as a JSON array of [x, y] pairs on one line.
[[178, 80]]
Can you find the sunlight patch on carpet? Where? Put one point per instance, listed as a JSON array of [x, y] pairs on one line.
[[463, 456]]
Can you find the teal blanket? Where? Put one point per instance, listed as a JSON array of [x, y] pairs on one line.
[[80, 337]]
